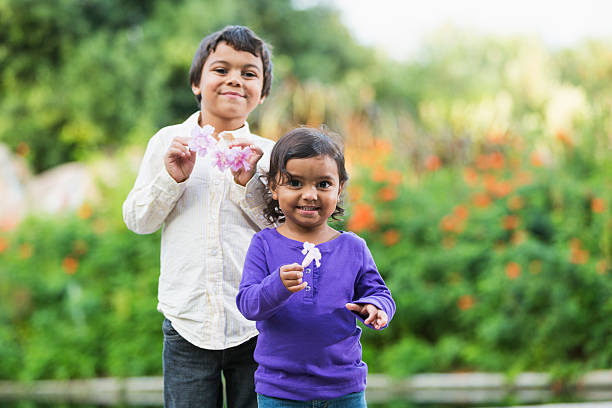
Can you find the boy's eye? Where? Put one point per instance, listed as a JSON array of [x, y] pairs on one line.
[[250, 74], [220, 70], [324, 184]]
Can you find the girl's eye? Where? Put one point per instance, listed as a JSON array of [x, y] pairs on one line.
[[294, 183], [324, 184], [220, 70], [250, 74]]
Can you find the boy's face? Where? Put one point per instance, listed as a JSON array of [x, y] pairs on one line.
[[230, 85]]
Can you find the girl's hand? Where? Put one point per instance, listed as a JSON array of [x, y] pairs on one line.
[[179, 160], [291, 276], [375, 317], [241, 176]]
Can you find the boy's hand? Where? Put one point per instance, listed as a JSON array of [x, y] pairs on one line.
[[179, 159], [375, 317], [291, 276], [241, 176]]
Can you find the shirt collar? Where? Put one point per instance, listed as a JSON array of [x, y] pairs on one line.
[[243, 132]]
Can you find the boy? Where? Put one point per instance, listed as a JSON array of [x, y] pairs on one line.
[[208, 219]]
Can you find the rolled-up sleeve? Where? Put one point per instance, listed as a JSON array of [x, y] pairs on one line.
[[155, 192]]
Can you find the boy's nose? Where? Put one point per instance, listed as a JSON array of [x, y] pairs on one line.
[[234, 78]]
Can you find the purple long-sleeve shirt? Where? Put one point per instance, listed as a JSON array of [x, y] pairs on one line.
[[308, 346]]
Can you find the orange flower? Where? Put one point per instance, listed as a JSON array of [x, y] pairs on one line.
[[535, 266], [598, 205], [465, 302], [391, 237], [579, 256], [536, 160], [461, 211], [502, 189], [25, 251], [8, 223], [394, 177], [481, 200], [23, 149], [433, 163], [3, 244], [383, 146], [387, 193], [451, 223], [482, 162], [564, 138], [510, 222], [575, 243], [379, 174], [362, 218], [496, 160], [515, 203], [70, 265], [489, 181], [355, 192], [602, 266], [519, 237], [524, 178], [85, 211], [513, 270], [470, 176]]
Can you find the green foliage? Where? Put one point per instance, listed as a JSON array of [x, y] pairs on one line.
[[79, 76], [489, 215], [500, 265], [78, 300]]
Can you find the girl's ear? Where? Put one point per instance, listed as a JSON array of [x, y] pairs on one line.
[[273, 191], [341, 188]]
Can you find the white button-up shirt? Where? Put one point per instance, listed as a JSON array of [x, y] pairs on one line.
[[207, 223]]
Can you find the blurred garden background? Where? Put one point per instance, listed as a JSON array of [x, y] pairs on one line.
[[481, 178]]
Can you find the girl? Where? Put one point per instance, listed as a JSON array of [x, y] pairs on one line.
[[304, 283]]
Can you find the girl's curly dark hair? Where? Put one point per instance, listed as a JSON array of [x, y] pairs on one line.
[[301, 143]]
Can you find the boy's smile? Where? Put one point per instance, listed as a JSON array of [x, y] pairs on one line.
[[231, 86], [309, 197]]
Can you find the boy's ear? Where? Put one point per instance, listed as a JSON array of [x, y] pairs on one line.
[[195, 89], [262, 99]]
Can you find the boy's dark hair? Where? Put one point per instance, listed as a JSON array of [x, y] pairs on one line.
[[239, 38], [301, 143]]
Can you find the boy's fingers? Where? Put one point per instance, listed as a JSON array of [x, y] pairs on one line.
[[182, 140]]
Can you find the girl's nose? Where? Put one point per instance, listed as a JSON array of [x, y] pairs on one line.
[[310, 193]]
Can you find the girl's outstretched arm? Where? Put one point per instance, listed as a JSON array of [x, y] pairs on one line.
[[261, 293], [370, 289]]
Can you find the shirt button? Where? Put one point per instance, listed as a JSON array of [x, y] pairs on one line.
[[307, 288], [307, 270]]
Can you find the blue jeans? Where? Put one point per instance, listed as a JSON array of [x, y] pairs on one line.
[[192, 375], [354, 400]]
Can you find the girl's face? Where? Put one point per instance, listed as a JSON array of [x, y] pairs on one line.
[[309, 196]]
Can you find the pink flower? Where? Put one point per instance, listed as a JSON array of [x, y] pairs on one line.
[[238, 158], [220, 160], [202, 140]]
